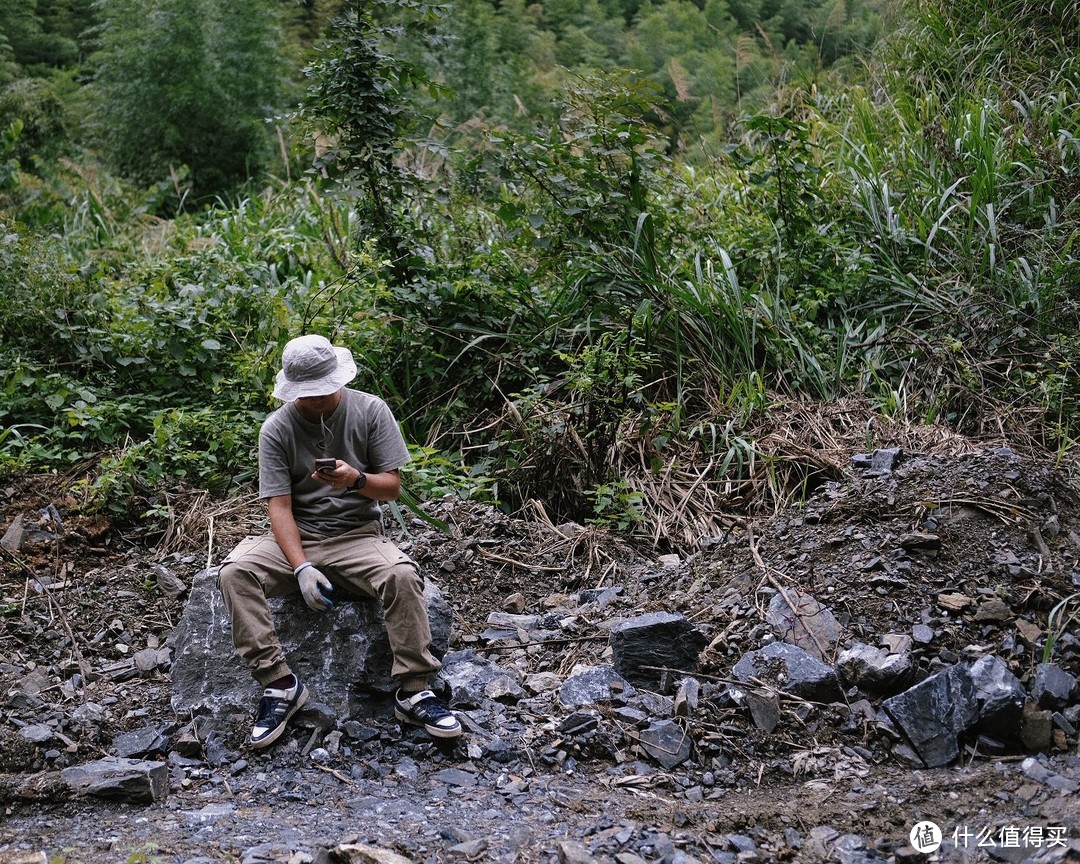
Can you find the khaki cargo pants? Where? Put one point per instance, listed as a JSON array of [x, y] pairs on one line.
[[362, 563]]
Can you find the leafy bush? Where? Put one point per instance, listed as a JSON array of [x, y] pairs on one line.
[[34, 103]]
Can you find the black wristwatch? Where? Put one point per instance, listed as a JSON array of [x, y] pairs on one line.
[[359, 483]]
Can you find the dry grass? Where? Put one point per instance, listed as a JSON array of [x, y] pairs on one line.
[[796, 446], [693, 495], [197, 524]]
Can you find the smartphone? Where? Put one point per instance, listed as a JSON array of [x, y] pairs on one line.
[[326, 464]]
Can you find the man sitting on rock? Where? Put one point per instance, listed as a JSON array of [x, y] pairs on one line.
[[326, 531]]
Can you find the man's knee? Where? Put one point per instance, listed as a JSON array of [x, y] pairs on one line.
[[233, 579], [408, 574], [401, 580]]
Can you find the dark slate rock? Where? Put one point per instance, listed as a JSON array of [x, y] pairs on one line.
[[466, 675], [934, 712], [1053, 687], [918, 541], [455, 777], [999, 698], [1061, 722], [357, 731], [809, 625], [505, 688], [600, 596], [874, 670], [141, 742], [987, 746], [658, 639], [632, 716], [742, 844], [578, 723], [89, 714], [338, 654], [879, 462], [687, 697], [885, 461], [791, 670], [316, 715], [37, 733], [599, 684], [765, 712], [667, 742], [135, 780], [573, 852]]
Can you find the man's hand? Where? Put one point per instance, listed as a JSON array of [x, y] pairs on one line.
[[342, 476], [311, 580]]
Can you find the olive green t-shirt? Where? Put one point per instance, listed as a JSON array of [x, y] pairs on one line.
[[362, 431]]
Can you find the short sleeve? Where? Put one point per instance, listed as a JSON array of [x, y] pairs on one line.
[[386, 445], [274, 478]]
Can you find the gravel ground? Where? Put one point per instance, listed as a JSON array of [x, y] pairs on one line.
[[823, 782]]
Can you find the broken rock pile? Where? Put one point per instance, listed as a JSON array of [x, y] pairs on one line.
[[910, 616]]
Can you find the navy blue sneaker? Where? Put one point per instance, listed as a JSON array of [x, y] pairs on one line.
[[427, 710], [275, 709]]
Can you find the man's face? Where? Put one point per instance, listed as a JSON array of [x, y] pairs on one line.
[[315, 408]]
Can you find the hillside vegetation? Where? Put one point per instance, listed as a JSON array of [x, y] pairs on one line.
[[644, 264]]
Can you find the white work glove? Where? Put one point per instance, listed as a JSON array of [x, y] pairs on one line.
[[314, 586]]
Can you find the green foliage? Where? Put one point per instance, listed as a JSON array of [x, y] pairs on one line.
[[34, 104], [40, 32], [359, 109], [181, 83], [506, 62], [164, 363], [963, 180], [489, 62], [209, 448], [616, 506], [145, 854], [582, 301], [687, 51], [434, 474], [35, 292], [9, 161], [581, 185], [1060, 618], [964, 46]]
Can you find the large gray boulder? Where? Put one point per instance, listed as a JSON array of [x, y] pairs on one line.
[[647, 643], [340, 655], [137, 781], [873, 670], [934, 712], [984, 697], [798, 618], [1000, 698], [790, 669]]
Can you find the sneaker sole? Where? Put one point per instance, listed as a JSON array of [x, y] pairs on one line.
[[276, 732], [433, 731]]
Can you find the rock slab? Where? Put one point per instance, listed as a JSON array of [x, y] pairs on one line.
[[645, 643], [985, 697], [136, 780], [797, 617], [338, 654], [791, 670]]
